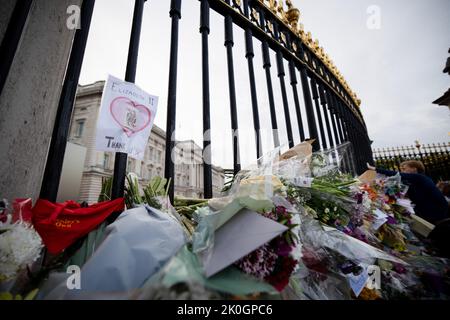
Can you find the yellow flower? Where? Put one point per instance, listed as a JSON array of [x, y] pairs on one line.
[[259, 185], [276, 183], [9, 296]]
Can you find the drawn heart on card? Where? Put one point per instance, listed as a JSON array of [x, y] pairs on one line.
[[131, 116]]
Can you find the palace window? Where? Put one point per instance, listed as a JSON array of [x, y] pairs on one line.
[[158, 156], [79, 128], [130, 166], [106, 160]]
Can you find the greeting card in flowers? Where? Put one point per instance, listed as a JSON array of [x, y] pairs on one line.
[[126, 118], [244, 233], [256, 236]]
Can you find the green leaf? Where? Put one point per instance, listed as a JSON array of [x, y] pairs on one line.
[[31, 295]]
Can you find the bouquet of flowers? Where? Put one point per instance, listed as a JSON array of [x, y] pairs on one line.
[[275, 261]]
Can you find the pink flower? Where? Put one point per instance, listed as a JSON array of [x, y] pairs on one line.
[[259, 263]]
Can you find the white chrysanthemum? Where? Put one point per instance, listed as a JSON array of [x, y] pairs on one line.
[[296, 252], [19, 246], [327, 210], [296, 220], [366, 202]]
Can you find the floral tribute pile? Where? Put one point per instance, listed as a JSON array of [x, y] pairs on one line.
[[294, 226]]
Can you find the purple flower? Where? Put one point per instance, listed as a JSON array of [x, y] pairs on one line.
[[391, 220], [348, 231], [282, 248], [359, 198], [280, 211], [399, 268]]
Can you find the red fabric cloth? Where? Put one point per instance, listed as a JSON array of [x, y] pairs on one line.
[[61, 224]]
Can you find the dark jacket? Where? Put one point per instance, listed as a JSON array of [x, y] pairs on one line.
[[430, 202]]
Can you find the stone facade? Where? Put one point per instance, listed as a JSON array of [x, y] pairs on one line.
[[98, 164]]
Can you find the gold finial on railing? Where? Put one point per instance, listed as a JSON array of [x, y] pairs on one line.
[[309, 39], [270, 27], [255, 14], [321, 53], [273, 5], [417, 144], [281, 13], [316, 46], [301, 32], [292, 15]]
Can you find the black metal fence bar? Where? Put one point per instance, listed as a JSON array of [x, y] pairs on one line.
[[273, 115], [331, 114], [348, 135], [319, 115], [55, 158], [229, 43], [204, 30], [294, 82], [326, 115], [281, 75], [309, 108], [364, 141], [361, 146], [337, 136], [343, 118], [356, 142], [355, 146], [169, 169], [250, 54], [339, 117], [12, 37], [120, 163], [368, 146], [342, 129]]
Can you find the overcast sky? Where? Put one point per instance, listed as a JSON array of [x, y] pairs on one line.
[[395, 70]]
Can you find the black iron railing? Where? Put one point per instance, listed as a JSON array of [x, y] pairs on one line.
[[435, 157], [332, 110]]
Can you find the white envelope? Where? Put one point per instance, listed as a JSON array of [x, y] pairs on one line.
[[242, 234]]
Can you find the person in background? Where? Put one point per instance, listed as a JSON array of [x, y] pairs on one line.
[[430, 203], [444, 186]]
